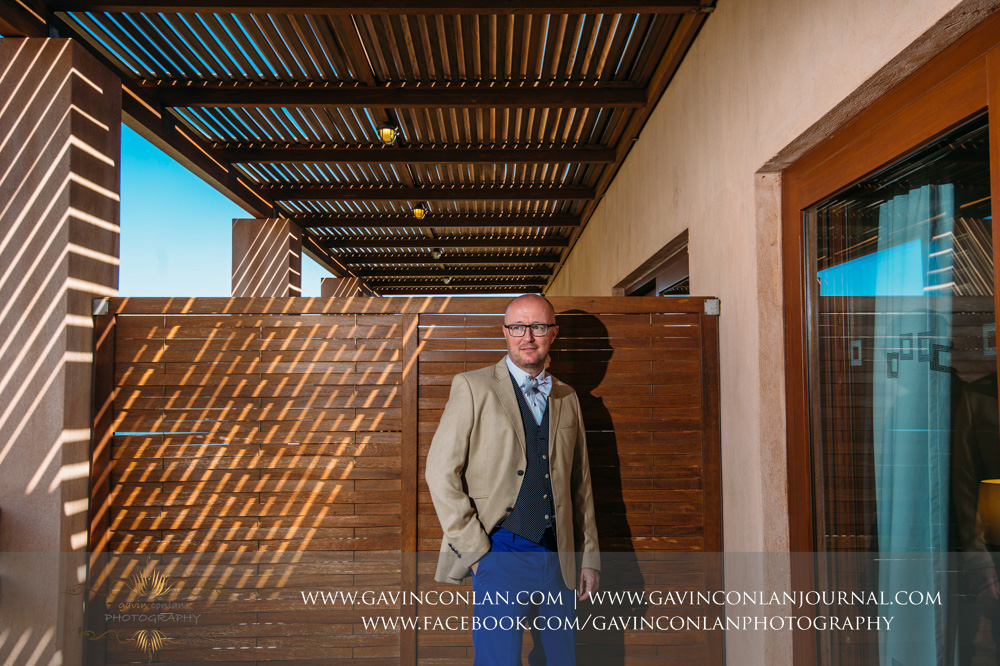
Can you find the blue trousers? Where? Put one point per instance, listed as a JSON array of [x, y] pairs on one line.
[[511, 581]]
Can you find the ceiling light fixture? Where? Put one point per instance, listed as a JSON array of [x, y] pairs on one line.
[[388, 132], [436, 253], [419, 211], [446, 279]]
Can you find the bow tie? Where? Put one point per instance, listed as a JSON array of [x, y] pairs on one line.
[[536, 391], [534, 383]]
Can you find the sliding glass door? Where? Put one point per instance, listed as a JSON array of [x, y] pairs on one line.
[[904, 401], [891, 373]]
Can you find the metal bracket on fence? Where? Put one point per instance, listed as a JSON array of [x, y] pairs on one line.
[[713, 306], [100, 306]]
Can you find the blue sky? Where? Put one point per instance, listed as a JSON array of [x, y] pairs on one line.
[[176, 237]]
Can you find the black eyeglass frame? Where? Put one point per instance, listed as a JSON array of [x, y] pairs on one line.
[[510, 329]]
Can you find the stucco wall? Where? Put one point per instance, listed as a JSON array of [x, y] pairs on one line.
[[60, 138], [764, 81]]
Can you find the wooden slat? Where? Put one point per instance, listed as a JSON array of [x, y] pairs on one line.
[[99, 528], [223, 405], [283, 192], [301, 420], [568, 332], [451, 272], [152, 352], [442, 291], [265, 96], [447, 258], [237, 336], [712, 461], [292, 305], [410, 471], [341, 242], [169, 449], [103, 426], [387, 7], [412, 155], [433, 220]]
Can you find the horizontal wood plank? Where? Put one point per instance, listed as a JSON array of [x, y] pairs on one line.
[[395, 305]]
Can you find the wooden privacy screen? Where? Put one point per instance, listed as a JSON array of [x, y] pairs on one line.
[[249, 450]]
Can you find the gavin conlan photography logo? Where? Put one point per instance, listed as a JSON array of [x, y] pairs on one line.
[[146, 608]]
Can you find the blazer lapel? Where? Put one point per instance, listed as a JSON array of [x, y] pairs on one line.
[[555, 404], [504, 389]]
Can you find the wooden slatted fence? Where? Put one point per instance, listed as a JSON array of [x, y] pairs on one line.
[[248, 451]]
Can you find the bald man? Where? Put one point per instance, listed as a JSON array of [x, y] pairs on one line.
[[510, 479]]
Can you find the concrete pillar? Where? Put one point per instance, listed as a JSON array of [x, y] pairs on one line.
[[267, 258], [334, 287], [60, 145]]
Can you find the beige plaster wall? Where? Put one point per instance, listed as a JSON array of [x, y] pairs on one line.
[[60, 137], [764, 81]]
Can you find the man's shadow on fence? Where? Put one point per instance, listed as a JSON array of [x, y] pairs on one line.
[[580, 357]]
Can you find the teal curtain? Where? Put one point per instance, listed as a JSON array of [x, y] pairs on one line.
[[912, 417]]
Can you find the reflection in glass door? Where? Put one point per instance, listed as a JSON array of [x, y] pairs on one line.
[[903, 409]]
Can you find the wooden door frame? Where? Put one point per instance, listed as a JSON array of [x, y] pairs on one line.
[[960, 82]]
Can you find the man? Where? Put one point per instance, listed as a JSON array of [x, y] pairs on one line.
[[510, 479]]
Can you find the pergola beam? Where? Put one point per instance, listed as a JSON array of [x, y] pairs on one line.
[[567, 96], [394, 193], [161, 130], [410, 7], [447, 290], [409, 155], [454, 258], [431, 221], [520, 284], [323, 257], [437, 272], [338, 242], [21, 19]]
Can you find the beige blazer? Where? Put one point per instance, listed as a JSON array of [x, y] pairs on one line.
[[472, 468]]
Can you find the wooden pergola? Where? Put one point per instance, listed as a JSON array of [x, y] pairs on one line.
[[511, 118]]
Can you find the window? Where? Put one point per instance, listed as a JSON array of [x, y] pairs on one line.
[[664, 274]]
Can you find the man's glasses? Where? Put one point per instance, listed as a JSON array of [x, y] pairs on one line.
[[537, 330]]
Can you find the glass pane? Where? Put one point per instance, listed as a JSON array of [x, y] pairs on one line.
[[903, 409]]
